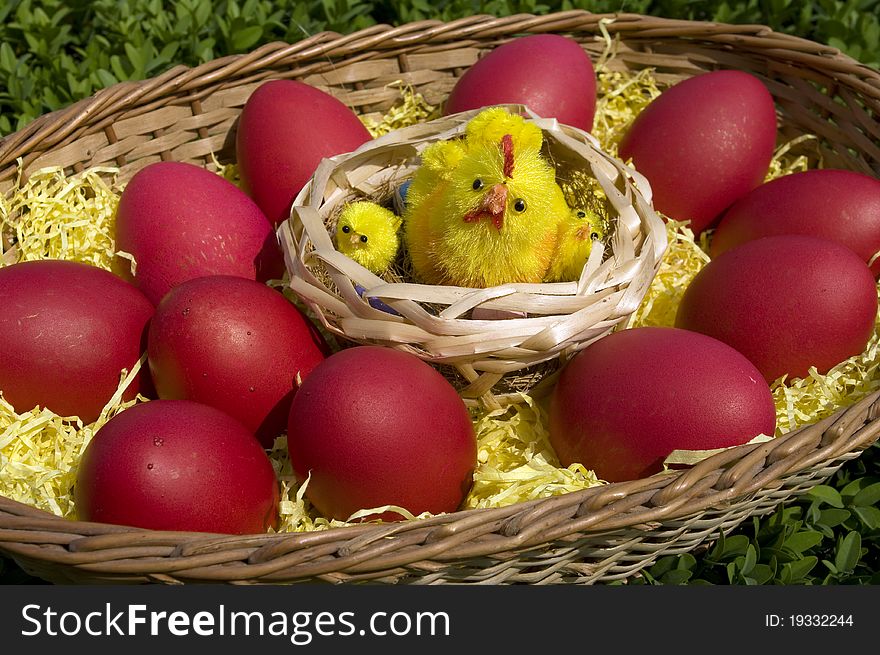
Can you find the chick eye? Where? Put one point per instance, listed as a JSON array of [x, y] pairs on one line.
[[594, 235], [363, 238], [346, 229], [520, 205], [478, 184]]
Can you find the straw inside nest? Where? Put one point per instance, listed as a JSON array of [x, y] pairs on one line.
[[53, 215]]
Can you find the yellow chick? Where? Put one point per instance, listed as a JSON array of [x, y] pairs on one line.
[[484, 210], [577, 233], [367, 233]]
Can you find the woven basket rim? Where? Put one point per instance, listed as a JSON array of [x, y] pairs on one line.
[[722, 478], [729, 477]]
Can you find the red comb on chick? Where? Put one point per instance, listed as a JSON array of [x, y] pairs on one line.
[[507, 150]]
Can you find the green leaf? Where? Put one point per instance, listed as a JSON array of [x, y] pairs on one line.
[[676, 577], [106, 78], [762, 573], [731, 572], [750, 560], [735, 545], [871, 32], [166, 55], [825, 494], [663, 566], [831, 518], [38, 46], [8, 60], [848, 552], [799, 570], [244, 39], [118, 70], [868, 496], [870, 516], [134, 56], [686, 561], [203, 11], [855, 486], [803, 540]]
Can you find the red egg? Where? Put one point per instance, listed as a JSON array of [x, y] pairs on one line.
[[67, 331], [372, 426], [286, 128], [627, 401], [180, 221], [703, 144], [177, 465], [234, 344], [839, 205], [786, 302], [549, 73]]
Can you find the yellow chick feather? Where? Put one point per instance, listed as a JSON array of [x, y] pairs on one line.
[[367, 233], [577, 233], [490, 126], [484, 210]]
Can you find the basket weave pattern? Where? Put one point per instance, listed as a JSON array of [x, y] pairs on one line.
[[598, 534]]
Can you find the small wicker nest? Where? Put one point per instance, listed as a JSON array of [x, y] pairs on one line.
[[489, 361]]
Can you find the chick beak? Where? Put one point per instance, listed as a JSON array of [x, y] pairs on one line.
[[583, 233], [492, 205], [354, 238]]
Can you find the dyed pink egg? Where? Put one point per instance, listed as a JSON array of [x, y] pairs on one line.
[[703, 144], [786, 302], [234, 344], [181, 221], [373, 426], [626, 401], [286, 128], [549, 73], [177, 465], [67, 331], [838, 205]]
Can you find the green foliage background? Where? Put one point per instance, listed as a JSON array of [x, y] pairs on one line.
[[55, 52]]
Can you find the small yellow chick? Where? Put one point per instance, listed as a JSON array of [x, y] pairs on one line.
[[484, 210], [577, 233], [367, 233]]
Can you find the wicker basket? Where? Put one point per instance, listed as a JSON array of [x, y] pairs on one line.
[[489, 361], [600, 534]]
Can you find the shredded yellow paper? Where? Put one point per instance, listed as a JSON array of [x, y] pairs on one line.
[[620, 98], [52, 215], [684, 258], [40, 451], [515, 461], [801, 401], [412, 108], [227, 171]]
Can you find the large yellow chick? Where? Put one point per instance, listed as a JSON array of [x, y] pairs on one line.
[[367, 233], [484, 210], [577, 234]]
